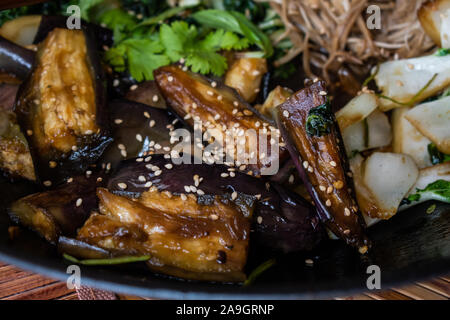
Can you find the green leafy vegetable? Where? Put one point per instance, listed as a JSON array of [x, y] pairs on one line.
[[442, 52], [319, 120], [259, 270], [107, 261], [235, 22], [438, 190], [436, 156]]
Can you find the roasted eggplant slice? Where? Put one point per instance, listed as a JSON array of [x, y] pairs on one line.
[[195, 98], [8, 94], [138, 131], [281, 220], [61, 106], [15, 157], [60, 211], [15, 59], [315, 144], [204, 242], [80, 249]]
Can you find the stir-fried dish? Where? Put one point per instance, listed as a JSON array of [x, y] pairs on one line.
[[183, 134]]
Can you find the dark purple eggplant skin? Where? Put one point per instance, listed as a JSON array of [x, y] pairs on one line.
[[288, 224], [145, 93], [8, 94], [15, 59], [103, 36], [80, 249], [130, 119], [325, 155], [62, 206], [89, 148]]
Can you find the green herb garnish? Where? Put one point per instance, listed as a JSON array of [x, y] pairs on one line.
[[258, 271], [107, 261], [436, 156], [442, 52], [319, 120], [431, 209], [438, 190]]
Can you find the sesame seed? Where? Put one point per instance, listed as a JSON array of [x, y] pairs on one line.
[[210, 93], [219, 97], [121, 146], [116, 83], [309, 262], [168, 166], [89, 132], [286, 113], [291, 179], [248, 112], [122, 185], [200, 192], [152, 123], [79, 202], [155, 98], [74, 148], [99, 179], [329, 189], [139, 159], [310, 169], [328, 203], [338, 184], [362, 249], [232, 174], [142, 178], [235, 103], [333, 163], [146, 114], [52, 164], [193, 188], [214, 217], [305, 164], [234, 195], [224, 175], [47, 183], [187, 188], [170, 79], [322, 188], [346, 212], [139, 137], [133, 87], [118, 121], [148, 159], [148, 184], [123, 153], [323, 93], [30, 132], [70, 180], [183, 197], [346, 231], [259, 219]]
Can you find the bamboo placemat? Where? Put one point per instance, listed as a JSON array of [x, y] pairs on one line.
[[16, 284]]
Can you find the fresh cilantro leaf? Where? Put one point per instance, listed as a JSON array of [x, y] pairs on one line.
[[438, 190], [86, 6], [226, 40], [442, 52], [140, 56], [206, 62], [175, 38], [119, 21]]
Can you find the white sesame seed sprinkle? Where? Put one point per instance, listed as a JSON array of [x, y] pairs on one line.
[[122, 185]]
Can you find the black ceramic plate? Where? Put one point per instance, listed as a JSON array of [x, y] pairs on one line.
[[411, 246]]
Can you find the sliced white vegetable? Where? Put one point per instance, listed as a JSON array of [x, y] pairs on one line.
[[427, 176], [445, 29], [433, 18], [21, 30], [356, 110], [408, 140], [432, 119], [389, 177], [378, 130], [354, 137], [403, 79]]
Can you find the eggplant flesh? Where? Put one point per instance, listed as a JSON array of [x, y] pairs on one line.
[[15, 157], [15, 59], [315, 145], [202, 242], [58, 212], [282, 220], [195, 98], [61, 106], [138, 131]]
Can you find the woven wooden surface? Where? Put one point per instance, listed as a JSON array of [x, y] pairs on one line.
[[16, 284]]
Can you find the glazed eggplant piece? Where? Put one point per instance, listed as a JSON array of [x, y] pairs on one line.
[[61, 107], [138, 131], [15, 59], [200, 242], [315, 144], [282, 220], [147, 93], [80, 249], [15, 157], [195, 98], [58, 212]]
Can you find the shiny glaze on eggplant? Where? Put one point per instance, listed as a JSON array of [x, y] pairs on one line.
[[282, 220], [192, 97], [198, 244], [65, 121], [138, 130], [15, 59], [60, 211], [323, 165]]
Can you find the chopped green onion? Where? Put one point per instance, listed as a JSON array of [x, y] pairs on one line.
[[258, 271], [106, 261]]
